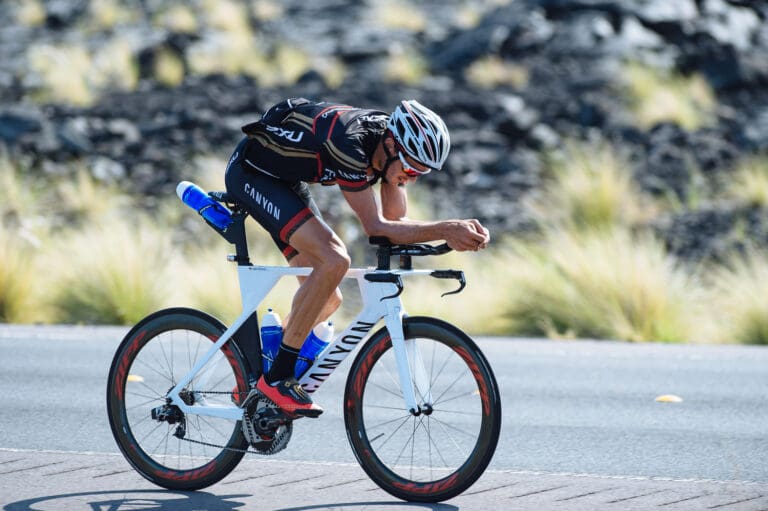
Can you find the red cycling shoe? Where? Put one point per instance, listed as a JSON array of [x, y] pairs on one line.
[[290, 397]]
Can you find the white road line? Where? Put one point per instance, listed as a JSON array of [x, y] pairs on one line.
[[621, 477]]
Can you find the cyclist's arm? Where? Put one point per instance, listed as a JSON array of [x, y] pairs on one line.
[[460, 234], [394, 201]]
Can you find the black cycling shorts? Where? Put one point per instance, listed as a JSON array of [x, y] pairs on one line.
[[279, 206]]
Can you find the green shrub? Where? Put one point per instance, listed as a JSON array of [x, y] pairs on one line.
[[114, 272], [399, 15], [491, 71], [408, 67], [589, 187], [601, 284], [738, 300], [82, 200], [750, 182], [479, 308], [659, 96], [20, 280]]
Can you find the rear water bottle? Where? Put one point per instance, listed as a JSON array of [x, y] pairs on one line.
[[196, 198], [318, 339], [271, 337]]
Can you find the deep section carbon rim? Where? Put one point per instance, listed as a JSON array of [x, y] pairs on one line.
[[179, 451], [443, 449]]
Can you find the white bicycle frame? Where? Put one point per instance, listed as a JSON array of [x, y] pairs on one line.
[[380, 301]]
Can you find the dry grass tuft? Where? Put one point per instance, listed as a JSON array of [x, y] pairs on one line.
[[658, 96], [491, 72]]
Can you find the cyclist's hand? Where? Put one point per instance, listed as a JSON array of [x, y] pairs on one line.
[[466, 235], [483, 231]]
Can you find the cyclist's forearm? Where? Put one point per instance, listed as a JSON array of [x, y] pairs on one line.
[[412, 231]]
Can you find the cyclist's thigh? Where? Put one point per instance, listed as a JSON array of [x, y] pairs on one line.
[[280, 207]]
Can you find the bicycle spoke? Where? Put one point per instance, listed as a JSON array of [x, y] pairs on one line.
[[437, 448], [157, 372], [195, 423], [173, 344], [429, 445], [165, 356], [395, 381], [140, 405], [402, 450], [189, 354], [405, 419], [389, 421], [442, 402], [385, 389], [142, 421], [479, 415], [454, 428], [218, 383], [214, 427], [399, 408], [434, 377], [450, 387], [413, 446], [158, 394], [162, 438], [463, 453]]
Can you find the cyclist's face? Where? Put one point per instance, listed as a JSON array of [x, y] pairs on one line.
[[398, 175]]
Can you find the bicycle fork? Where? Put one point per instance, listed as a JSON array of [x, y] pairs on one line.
[[414, 380]]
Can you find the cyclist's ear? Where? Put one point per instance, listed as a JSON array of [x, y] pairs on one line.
[[389, 142]]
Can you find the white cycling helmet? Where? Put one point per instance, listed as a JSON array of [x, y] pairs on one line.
[[421, 133]]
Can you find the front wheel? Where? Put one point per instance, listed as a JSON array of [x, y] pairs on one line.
[[173, 450], [441, 451]]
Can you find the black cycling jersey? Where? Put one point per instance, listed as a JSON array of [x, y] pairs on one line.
[[298, 142], [327, 143]]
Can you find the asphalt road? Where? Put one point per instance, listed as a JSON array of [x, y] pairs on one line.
[[581, 411]]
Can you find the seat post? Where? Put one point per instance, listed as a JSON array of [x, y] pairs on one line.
[[235, 234]]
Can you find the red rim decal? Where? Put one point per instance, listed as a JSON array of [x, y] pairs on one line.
[[122, 370], [484, 395]]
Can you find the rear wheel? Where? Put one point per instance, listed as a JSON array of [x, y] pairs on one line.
[[171, 449], [440, 451]]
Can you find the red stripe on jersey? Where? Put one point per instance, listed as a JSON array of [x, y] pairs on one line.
[[339, 108], [319, 167], [323, 111], [289, 253], [352, 186], [333, 123], [294, 223]]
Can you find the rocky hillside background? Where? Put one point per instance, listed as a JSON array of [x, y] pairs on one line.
[[135, 89]]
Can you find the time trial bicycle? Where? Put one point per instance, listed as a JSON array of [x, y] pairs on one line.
[[421, 405]]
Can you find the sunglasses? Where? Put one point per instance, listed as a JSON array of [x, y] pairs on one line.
[[410, 169]]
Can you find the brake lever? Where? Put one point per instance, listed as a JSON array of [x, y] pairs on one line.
[[390, 278], [451, 274]]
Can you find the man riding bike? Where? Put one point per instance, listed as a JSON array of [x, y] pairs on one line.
[[298, 142]]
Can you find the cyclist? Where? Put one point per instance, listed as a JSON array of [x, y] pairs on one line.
[[298, 141]]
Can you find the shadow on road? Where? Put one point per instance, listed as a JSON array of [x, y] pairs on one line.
[[116, 500], [165, 500], [365, 505]]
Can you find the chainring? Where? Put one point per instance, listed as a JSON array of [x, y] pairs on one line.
[[267, 428]]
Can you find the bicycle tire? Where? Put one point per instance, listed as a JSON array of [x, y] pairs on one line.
[[160, 348], [374, 414]]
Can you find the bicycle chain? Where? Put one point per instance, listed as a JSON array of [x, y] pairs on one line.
[[226, 447]]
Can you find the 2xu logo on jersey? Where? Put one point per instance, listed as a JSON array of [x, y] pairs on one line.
[[291, 136]]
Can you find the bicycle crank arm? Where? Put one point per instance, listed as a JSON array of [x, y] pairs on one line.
[[451, 274]]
